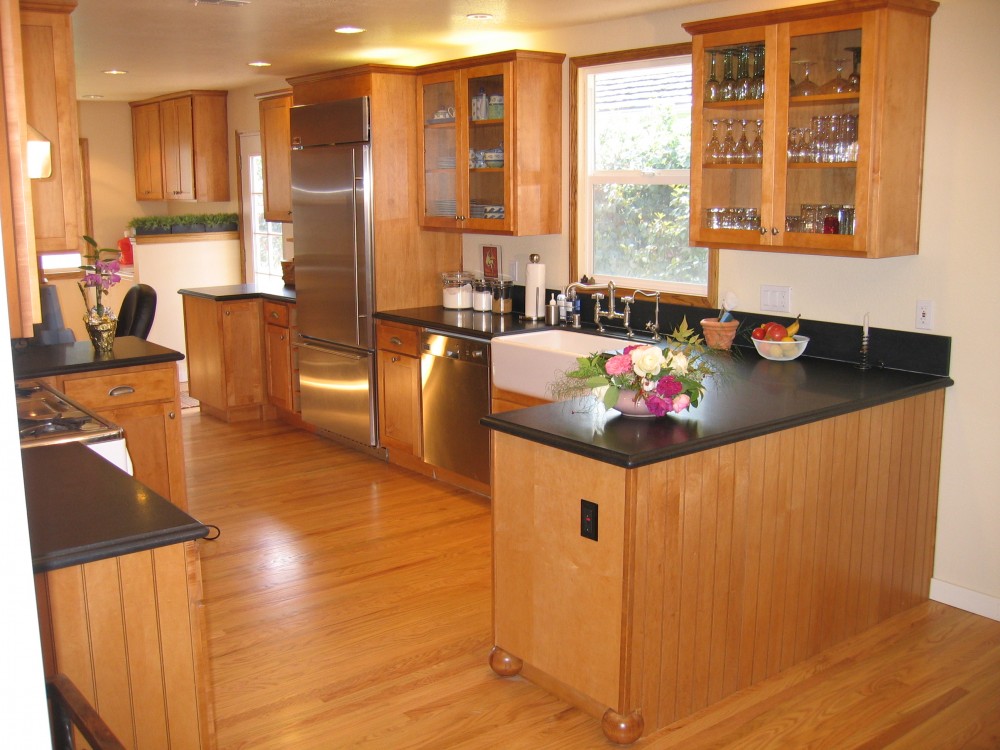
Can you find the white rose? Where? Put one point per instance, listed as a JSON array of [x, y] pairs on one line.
[[679, 362], [647, 361]]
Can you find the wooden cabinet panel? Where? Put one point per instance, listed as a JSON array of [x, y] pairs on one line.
[[50, 97], [190, 146], [401, 339], [399, 402], [278, 350], [147, 152], [276, 313], [241, 342], [275, 146]]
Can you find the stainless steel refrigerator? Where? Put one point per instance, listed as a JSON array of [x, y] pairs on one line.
[[332, 226]]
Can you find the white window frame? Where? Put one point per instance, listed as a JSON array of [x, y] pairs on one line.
[[583, 180]]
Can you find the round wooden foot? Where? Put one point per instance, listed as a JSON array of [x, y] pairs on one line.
[[622, 730], [504, 664]]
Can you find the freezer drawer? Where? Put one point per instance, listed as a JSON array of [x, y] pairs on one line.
[[338, 390]]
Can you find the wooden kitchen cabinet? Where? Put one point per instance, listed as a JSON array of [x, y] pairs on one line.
[[282, 374], [276, 152], [145, 402], [810, 167], [399, 412], [224, 341], [516, 194], [193, 143], [50, 98]]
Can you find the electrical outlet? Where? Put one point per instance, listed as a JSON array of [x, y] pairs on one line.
[[925, 315], [775, 298], [588, 519]]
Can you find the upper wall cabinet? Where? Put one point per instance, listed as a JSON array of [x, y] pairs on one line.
[[490, 144], [808, 128], [50, 98], [181, 147], [276, 150]]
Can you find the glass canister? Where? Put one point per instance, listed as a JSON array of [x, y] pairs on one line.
[[482, 295], [502, 286], [456, 290]]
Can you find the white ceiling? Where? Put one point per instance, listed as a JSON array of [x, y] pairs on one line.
[[174, 45]]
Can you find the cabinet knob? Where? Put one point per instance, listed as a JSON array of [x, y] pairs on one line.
[[172, 415], [774, 231], [228, 312], [281, 337], [763, 230], [394, 359]]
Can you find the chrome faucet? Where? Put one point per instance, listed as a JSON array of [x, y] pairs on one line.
[[653, 326], [598, 295]]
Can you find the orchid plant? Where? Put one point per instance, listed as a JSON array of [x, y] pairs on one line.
[[667, 379], [99, 275]]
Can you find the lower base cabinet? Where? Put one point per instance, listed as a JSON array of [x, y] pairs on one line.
[[399, 412]]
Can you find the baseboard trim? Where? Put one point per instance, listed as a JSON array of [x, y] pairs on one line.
[[967, 599]]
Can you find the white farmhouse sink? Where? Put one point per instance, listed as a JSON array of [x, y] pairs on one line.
[[528, 362]]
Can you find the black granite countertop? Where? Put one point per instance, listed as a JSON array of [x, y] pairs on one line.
[[756, 397], [270, 290], [80, 356], [482, 325], [82, 508]]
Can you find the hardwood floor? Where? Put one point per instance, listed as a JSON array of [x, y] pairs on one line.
[[348, 605]]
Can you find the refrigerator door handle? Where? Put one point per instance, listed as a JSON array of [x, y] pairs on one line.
[[331, 350]]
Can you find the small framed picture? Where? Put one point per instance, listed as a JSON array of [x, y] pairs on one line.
[[491, 261]]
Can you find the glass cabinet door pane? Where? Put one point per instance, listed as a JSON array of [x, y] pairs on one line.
[[822, 144], [487, 159], [733, 136], [440, 150]]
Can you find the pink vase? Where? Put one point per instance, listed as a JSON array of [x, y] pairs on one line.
[[628, 406]]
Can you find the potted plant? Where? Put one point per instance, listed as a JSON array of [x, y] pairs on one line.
[[225, 222], [187, 224], [150, 225]]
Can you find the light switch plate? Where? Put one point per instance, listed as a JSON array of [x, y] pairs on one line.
[[775, 298]]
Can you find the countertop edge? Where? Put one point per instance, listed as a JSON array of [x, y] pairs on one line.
[[240, 292], [640, 459], [125, 546]]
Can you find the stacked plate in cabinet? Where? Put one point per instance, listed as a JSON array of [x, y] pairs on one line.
[[480, 210], [441, 208]]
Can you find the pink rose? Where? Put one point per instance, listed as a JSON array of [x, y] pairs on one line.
[[619, 364], [656, 405], [681, 403]]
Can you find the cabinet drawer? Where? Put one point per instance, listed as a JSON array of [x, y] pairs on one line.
[[401, 339], [111, 390], [276, 314]]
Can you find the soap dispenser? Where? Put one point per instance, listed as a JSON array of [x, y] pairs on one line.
[[552, 311]]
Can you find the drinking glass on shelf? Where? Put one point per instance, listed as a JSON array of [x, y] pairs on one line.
[[849, 136], [805, 87], [744, 154], [728, 88], [713, 152], [854, 79], [757, 147], [794, 144], [743, 74], [838, 84], [712, 85], [729, 144], [757, 83]]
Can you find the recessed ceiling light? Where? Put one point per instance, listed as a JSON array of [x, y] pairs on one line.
[[93, 96], [115, 72], [479, 16], [259, 64], [349, 30]]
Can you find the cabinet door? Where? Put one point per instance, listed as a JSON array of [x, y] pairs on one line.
[[178, 149], [441, 143], [153, 436], [490, 164], [147, 152], [399, 402], [241, 351], [278, 352], [275, 144]]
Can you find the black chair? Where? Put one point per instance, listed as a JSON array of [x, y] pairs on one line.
[[135, 317]]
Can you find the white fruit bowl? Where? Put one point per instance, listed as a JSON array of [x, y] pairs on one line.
[[781, 351]]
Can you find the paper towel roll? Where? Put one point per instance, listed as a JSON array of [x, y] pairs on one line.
[[534, 291]]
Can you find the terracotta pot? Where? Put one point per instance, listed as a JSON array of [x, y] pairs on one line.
[[719, 335]]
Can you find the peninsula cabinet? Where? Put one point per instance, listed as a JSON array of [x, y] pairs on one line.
[[181, 147], [839, 126], [276, 152], [399, 412], [224, 341], [490, 144]]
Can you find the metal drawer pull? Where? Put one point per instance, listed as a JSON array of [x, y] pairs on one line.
[[274, 314], [396, 341], [121, 390]]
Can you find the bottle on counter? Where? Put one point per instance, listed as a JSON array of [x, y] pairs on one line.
[[563, 307]]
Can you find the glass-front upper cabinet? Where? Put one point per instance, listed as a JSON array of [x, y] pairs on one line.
[[471, 173], [809, 124]]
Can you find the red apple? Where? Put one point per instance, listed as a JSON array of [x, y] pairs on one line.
[[775, 332], [759, 333]]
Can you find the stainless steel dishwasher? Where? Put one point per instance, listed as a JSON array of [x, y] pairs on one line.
[[455, 388]]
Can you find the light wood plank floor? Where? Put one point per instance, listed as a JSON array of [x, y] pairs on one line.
[[348, 605]]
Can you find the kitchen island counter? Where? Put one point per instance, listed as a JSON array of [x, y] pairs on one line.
[[265, 290], [644, 569], [80, 356]]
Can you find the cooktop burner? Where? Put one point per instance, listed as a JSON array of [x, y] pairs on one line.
[[46, 416]]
